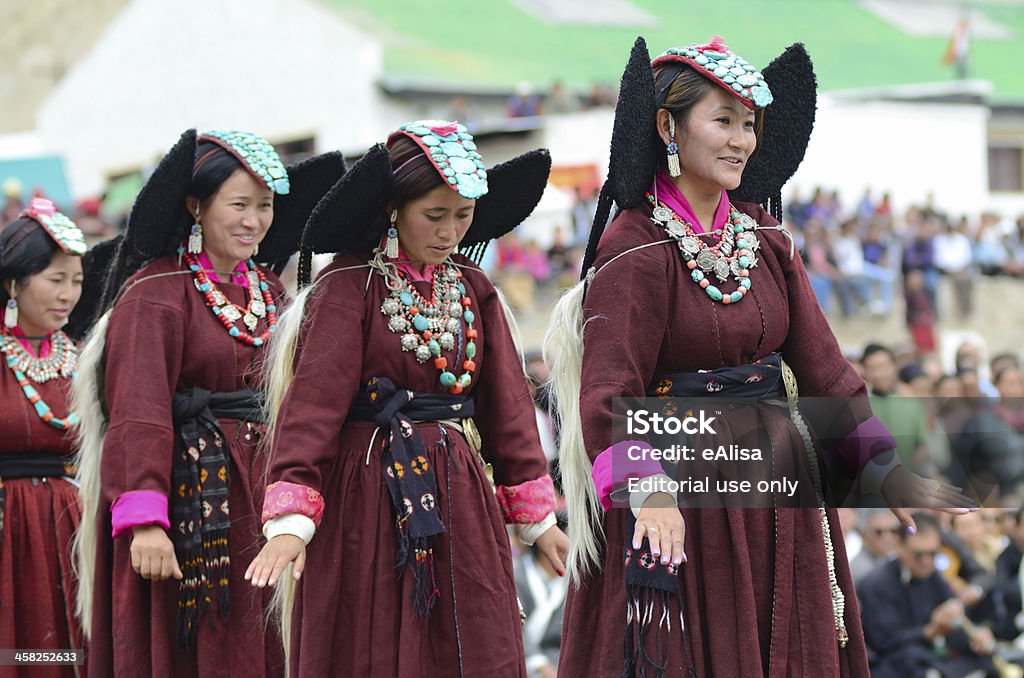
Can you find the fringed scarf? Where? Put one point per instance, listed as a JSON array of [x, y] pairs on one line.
[[200, 516], [650, 585], [409, 475]]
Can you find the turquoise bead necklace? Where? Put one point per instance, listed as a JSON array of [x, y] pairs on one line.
[[27, 369], [733, 255], [428, 327]]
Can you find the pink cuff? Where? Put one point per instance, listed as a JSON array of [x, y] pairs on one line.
[[614, 466], [866, 441], [284, 498], [528, 502], [139, 507]]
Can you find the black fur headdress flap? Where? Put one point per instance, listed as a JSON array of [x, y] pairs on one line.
[[310, 180], [788, 122]]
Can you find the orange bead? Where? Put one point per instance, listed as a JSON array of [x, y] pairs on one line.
[[469, 365], [47, 417], [427, 334], [414, 310], [691, 264], [467, 302], [726, 299], [457, 389], [743, 291], [744, 273], [705, 282], [471, 333], [441, 363]]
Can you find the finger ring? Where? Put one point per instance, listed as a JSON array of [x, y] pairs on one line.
[[652, 529]]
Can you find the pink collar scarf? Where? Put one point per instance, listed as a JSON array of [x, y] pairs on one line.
[[237, 275], [44, 347], [411, 272], [667, 192]]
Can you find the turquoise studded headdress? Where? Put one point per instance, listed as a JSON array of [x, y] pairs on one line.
[[782, 142], [255, 154], [451, 150], [64, 232], [725, 68]]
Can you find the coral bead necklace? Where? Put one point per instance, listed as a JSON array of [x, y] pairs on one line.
[[62, 363], [261, 303]]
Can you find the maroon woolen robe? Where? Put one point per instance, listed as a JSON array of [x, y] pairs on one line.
[[353, 613], [164, 338], [37, 584], [755, 589]]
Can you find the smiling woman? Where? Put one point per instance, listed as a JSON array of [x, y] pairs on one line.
[[171, 414], [40, 283]]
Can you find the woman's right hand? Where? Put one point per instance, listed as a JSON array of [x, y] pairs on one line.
[[662, 523], [266, 567], [153, 553]]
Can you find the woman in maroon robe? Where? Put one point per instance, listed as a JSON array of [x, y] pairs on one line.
[[374, 445], [171, 481], [41, 276], [657, 323]]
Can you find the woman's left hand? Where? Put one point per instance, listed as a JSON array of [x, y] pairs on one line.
[[904, 491], [554, 546]]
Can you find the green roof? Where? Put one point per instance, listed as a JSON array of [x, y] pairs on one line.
[[492, 43]]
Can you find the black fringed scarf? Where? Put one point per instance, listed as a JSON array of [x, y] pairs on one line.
[[409, 475], [200, 516], [650, 586]]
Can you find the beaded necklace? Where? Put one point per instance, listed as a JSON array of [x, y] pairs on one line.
[[62, 362], [261, 303], [431, 326], [732, 255]]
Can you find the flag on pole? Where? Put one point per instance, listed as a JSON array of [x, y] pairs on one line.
[[959, 47]]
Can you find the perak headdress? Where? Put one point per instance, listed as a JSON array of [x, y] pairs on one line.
[[159, 223], [64, 232], [347, 217], [786, 90]]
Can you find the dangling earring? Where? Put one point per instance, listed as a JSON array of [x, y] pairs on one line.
[[195, 238], [391, 244], [255, 250], [11, 312], [672, 149]]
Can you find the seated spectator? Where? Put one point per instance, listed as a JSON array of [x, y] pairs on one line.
[[1008, 621], [912, 621], [880, 540]]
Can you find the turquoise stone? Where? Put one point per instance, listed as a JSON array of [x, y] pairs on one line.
[[257, 341], [744, 261], [405, 298], [264, 286], [430, 141], [468, 316], [471, 349], [272, 307], [233, 332], [697, 275], [276, 172], [420, 130], [735, 296], [737, 87], [714, 292], [466, 379], [721, 71], [453, 149], [420, 323], [216, 310], [712, 54], [728, 80], [447, 379], [29, 391], [449, 172], [435, 348], [463, 165], [738, 228], [205, 287], [41, 407], [745, 283]]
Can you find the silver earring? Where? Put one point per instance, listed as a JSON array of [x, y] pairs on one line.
[[11, 312], [391, 244], [672, 149], [195, 238]]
